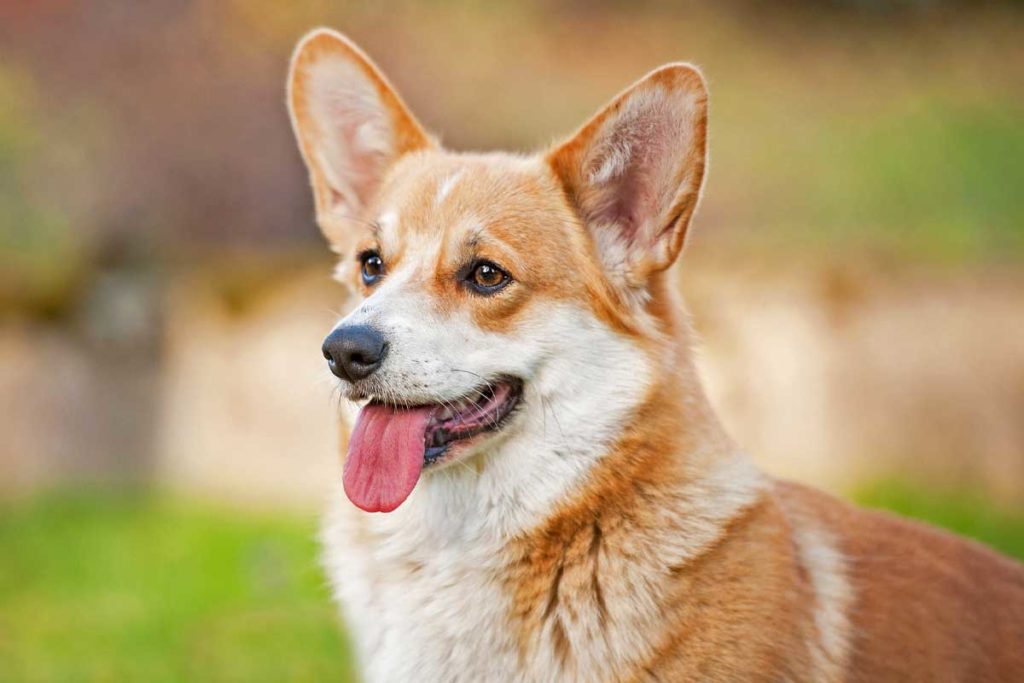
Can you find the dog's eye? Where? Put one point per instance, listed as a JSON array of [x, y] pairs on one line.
[[372, 266], [487, 278]]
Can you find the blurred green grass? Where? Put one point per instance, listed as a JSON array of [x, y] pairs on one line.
[[134, 587], [926, 180], [138, 587], [968, 513]]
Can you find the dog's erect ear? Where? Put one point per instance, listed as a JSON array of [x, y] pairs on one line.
[[351, 126], [634, 171]]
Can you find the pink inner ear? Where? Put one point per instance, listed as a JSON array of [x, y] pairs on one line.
[[631, 170], [356, 132], [362, 150], [366, 171], [624, 202]]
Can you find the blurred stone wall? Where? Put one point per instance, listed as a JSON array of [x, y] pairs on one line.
[[828, 375], [249, 411], [80, 394], [837, 375]]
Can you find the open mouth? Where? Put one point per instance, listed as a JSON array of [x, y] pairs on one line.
[[485, 411], [391, 444]]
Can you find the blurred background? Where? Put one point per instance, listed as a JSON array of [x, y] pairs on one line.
[[167, 435]]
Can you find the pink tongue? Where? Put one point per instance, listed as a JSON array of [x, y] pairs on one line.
[[385, 456]]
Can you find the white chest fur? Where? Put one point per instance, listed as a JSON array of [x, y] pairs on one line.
[[417, 607], [428, 597]]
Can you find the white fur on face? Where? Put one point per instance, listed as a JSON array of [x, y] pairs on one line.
[[431, 357], [581, 381], [446, 187]]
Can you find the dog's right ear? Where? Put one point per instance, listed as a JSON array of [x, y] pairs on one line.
[[351, 127]]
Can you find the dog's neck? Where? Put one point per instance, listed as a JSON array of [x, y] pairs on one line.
[[594, 419]]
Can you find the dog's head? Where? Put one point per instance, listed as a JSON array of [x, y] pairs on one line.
[[498, 292]]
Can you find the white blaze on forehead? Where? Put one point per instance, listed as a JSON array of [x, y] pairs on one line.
[[388, 220], [445, 187], [387, 235]]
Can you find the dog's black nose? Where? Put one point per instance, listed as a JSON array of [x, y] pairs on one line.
[[354, 352]]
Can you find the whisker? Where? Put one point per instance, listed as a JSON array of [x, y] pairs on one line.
[[470, 372], [547, 405]]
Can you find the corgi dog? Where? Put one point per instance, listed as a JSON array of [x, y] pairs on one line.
[[536, 487]]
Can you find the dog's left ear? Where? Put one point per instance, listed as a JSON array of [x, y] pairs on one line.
[[635, 170]]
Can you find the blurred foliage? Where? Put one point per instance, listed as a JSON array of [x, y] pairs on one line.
[[970, 514], [129, 587], [37, 249], [890, 128], [938, 181]]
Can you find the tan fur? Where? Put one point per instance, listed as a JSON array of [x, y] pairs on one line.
[[671, 558], [928, 606]]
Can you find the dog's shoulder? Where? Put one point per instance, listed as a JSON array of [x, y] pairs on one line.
[[918, 591]]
